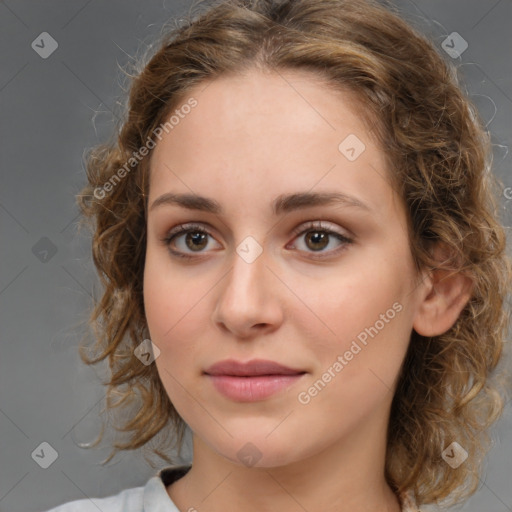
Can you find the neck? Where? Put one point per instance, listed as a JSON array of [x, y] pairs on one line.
[[346, 476]]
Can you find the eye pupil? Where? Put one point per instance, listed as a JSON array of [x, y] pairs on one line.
[[196, 236], [317, 238]]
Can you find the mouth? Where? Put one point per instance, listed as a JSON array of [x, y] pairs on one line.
[[253, 381]]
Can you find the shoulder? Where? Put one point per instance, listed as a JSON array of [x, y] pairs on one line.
[[128, 500], [152, 497]]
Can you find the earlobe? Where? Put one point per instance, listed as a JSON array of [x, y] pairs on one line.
[[448, 293]]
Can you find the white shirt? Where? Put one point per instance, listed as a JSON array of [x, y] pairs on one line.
[[151, 497]]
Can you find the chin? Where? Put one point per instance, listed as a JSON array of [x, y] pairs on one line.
[[258, 449]]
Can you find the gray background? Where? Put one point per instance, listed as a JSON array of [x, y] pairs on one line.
[[51, 111]]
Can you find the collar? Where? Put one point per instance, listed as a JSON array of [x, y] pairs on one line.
[[155, 497]]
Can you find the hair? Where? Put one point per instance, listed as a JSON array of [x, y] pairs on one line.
[[440, 159]]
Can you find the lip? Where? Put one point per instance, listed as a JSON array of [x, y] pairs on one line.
[[251, 381], [255, 367]]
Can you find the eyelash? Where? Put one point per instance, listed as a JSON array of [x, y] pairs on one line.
[[301, 230]]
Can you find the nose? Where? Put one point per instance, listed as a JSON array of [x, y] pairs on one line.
[[248, 303]]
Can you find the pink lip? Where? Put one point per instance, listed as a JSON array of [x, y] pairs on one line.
[[252, 381]]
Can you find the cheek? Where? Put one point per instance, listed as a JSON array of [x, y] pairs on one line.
[[173, 314], [343, 305], [169, 295], [362, 317], [175, 308]]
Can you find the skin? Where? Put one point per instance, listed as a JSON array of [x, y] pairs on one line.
[[251, 138]]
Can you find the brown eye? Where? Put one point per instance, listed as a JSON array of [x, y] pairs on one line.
[[318, 237], [317, 240], [196, 240], [194, 236]]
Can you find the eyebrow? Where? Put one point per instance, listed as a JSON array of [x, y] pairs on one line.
[[282, 204]]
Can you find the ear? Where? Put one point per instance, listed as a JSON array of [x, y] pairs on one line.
[[446, 294]]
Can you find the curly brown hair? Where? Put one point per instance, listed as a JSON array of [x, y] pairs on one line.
[[441, 160]]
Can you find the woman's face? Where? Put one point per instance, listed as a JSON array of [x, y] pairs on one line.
[[334, 304]]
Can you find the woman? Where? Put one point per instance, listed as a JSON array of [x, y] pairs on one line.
[[298, 238]]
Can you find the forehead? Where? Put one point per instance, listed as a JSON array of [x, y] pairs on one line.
[[269, 130], [296, 100]]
